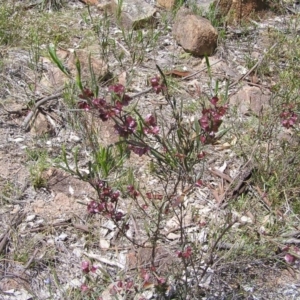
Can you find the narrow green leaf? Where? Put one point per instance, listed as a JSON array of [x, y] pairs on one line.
[[78, 75], [57, 61]]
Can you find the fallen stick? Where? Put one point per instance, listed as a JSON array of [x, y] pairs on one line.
[[25, 124]]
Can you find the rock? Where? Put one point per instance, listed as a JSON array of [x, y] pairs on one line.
[[250, 98], [239, 10], [168, 4], [74, 138], [104, 5], [30, 218], [99, 67], [61, 237], [173, 236], [90, 2], [51, 242], [104, 244], [74, 283], [245, 219], [134, 14], [202, 4], [195, 34], [16, 140], [109, 225], [16, 294], [53, 77], [58, 181], [16, 209], [39, 126]]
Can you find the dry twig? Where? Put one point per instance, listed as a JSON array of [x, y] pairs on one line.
[[38, 103]]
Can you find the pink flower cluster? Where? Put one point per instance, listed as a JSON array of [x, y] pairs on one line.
[[157, 85], [132, 191], [126, 287], [105, 110], [149, 279], [108, 202], [185, 254], [125, 125], [211, 120], [288, 118], [86, 268], [139, 150], [151, 125], [292, 254]]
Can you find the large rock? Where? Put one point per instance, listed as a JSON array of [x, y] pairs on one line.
[[90, 2], [134, 13], [251, 99], [89, 58], [240, 10], [168, 4], [195, 34]]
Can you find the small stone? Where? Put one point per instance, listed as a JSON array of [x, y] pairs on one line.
[[242, 70], [109, 225], [167, 42], [40, 125], [39, 222], [110, 235], [16, 209], [134, 14], [18, 140], [104, 244], [246, 219], [71, 190], [51, 242], [22, 227], [62, 237], [202, 237], [74, 138], [30, 218], [103, 231], [148, 294], [172, 223], [75, 283], [173, 236], [122, 258], [104, 5], [12, 291], [78, 252]]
